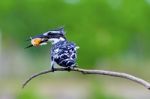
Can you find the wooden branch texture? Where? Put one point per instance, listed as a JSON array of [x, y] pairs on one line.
[[98, 72]]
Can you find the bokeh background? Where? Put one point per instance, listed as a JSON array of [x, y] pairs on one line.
[[112, 35]]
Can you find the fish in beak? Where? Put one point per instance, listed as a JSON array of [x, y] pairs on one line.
[[42, 39], [37, 41]]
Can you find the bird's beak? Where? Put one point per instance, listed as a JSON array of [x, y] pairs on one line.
[[29, 46], [37, 41], [29, 39]]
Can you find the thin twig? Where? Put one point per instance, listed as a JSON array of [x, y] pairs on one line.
[[99, 72]]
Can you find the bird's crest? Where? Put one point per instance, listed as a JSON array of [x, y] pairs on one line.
[[59, 30]]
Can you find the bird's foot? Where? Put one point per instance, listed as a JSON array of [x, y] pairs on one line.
[[52, 69], [68, 69]]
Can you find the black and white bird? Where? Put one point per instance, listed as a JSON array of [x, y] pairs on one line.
[[63, 52]]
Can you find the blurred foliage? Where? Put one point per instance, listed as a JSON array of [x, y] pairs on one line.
[[102, 28], [100, 93], [30, 94]]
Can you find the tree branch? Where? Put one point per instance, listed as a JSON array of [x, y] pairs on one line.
[[99, 72]]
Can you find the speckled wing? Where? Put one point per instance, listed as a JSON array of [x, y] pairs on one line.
[[64, 53]]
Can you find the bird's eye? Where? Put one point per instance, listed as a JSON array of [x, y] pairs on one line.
[[36, 41]]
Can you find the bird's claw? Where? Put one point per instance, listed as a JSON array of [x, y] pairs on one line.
[[68, 69], [52, 69]]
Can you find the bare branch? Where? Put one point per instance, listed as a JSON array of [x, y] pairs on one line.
[[99, 72]]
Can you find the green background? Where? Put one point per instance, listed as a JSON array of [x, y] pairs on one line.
[[112, 35]]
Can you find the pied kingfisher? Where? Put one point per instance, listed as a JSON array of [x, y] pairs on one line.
[[63, 52]]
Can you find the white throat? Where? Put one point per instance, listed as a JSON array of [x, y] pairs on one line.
[[56, 40]]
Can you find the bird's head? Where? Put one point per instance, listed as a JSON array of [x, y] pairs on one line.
[[52, 36]]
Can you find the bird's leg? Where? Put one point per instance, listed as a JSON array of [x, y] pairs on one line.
[[52, 65], [52, 68]]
